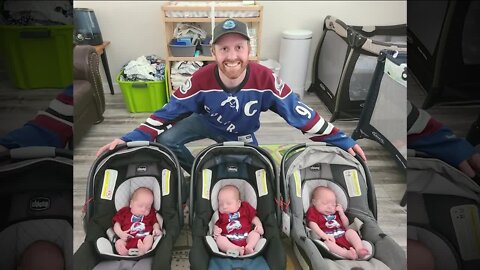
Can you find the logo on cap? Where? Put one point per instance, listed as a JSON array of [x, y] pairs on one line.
[[229, 24]]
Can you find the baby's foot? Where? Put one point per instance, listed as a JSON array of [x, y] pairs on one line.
[[248, 250], [362, 253], [141, 247], [121, 249], [352, 254]]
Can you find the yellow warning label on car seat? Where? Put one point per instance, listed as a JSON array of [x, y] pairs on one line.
[[166, 182], [353, 185], [109, 181], [466, 224], [261, 176], [206, 183], [298, 183]]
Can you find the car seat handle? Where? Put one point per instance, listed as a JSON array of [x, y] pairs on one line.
[[233, 143], [137, 144], [32, 152]]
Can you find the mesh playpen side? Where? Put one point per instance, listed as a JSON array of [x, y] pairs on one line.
[[345, 60], [443, 55], [383, 117]]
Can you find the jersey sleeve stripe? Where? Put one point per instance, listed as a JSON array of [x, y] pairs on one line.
[[154, 117], [318, 126], [311, 124], [153, 122], [153, 133]]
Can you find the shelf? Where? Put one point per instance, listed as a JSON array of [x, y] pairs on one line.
[[201, 58], [206, 16], [206, 20], [209, 8]]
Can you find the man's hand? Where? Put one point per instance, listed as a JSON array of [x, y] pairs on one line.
[[356, 149], [109, 146], [471, 166]]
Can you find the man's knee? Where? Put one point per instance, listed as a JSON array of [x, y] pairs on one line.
[[167, 139]]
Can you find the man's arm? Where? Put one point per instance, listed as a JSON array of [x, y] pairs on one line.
[[299, 115], [181, 105], [50, 127], [427, 135]]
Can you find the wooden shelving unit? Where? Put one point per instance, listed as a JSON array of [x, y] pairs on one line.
[[171, 22]]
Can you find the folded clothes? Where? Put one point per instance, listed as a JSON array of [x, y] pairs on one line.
[[144, 68]]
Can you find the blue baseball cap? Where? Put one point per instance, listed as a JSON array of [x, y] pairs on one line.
[[230, 26]]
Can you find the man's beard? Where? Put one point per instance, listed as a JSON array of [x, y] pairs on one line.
[[235, 70]]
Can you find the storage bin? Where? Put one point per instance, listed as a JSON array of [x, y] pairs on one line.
[[182, 50], [38, 56], [206, 46], [206, 49], [142, 96]]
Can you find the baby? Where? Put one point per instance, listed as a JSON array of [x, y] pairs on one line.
[[40, 255], [136, 225], [233, 229], [327, 219]]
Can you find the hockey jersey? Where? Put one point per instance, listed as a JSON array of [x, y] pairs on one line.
[[50, 127], [426, 134], [236, 115]]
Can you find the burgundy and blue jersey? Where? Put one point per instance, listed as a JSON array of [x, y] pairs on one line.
[[236, 115]]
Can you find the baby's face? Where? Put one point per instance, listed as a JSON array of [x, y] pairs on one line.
[[141, 204], [228, 201], [324, 201]]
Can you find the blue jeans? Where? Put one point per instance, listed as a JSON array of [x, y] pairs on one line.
[[192, 128]]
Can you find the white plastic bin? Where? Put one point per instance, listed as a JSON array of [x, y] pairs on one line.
[[294, 52]]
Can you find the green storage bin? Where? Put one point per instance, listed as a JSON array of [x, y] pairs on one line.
[[38, 56], [143, 96]]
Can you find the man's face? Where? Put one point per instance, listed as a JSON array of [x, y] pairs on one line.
[[231, 54]]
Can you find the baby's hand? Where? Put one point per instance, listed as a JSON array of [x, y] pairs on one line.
[[339, 208], [259, 229], [216, 230], [124, 235], [330, 238], [157, 232]]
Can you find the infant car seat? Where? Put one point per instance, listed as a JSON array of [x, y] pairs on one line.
[[36, 196], [113, 177], [306, 166], [443, 212], [253, 171]]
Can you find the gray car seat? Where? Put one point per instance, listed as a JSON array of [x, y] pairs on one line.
[[36, 197], [112, 178], [253, 171], [443, 212], [306, 166]]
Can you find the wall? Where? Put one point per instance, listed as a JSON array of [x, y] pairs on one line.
[[135, 28]]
